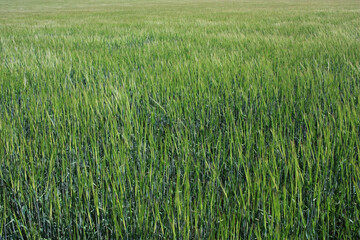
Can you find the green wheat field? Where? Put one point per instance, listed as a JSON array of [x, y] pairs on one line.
[[204, 119]]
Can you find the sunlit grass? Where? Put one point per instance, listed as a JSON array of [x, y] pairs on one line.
[[179, 120]]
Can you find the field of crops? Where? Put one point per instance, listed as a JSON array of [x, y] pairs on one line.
[[179, 119]]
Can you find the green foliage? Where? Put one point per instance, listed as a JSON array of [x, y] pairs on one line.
[[179, 120]]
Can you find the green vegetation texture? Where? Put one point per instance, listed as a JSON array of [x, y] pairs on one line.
[[179, 119]]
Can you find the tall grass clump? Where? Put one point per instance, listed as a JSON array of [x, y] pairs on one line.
[[179, 120]]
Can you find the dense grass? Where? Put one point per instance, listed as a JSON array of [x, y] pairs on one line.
[[178, 120]]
